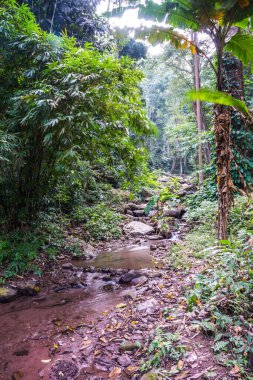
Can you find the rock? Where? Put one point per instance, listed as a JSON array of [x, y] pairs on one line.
[[67, 266], [7, 294], [139, 213], [176, 213], [124, 360], [135, 228], [167, 234], [129, 212], [129, 276], [130, 346], [17, 375], [153, 247], [139, 280], [111, 285], [64, 370], [150, 376], [152, 302], [154, 237]]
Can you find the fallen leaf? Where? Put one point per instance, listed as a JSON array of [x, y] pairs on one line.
[[121, 305], [183, 375], [97, 352], [103, 339], [86, 344], [134, 322], [132, 369], [235, 371], [115, 372], [180, 364]]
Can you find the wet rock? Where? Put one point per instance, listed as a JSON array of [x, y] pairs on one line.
[[29, 288], [166, 233], [135, 228], [111, 285], [124, 360], [150, 303], [176, 213], [67, 266], [7, 294], [150, 376], [139, 280], [64, 370], [155, 237], [132, 206], [21, 352], [128, 277], [139, 213], [17, 375], [130, 346]]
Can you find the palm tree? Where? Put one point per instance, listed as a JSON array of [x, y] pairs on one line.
[[227, 24]]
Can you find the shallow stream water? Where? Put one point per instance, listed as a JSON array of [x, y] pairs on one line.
[[30, 326]]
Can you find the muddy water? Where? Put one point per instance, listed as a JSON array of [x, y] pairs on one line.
[[30, 326], [132, 257]]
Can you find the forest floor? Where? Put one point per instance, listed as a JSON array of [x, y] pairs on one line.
[[118, 316]]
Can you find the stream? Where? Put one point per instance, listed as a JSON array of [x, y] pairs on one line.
[[31, 326]]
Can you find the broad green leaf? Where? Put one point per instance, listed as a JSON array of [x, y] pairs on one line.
[[241, 45], [218, 97]]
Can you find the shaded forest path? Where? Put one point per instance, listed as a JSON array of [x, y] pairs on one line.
[[96, 319]]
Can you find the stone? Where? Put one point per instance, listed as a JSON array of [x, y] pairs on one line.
[[64, 369], [139, 213], [67, 266], [28, 288], [7, 294], [135, 228], [129, 276], [139, 280], [175, 213], [150, 376], [155, 237], [152, 302], [124, 360], [111, 285]]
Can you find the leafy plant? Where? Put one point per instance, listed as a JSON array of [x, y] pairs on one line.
[[163, 347]]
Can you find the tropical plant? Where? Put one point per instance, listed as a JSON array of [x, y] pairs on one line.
[[77, 18], [60, 103]]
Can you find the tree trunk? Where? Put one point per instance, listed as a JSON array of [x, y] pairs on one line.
[[222, 124], [198, 111], [222, 129]]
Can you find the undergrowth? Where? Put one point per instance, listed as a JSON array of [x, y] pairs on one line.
[[222, 297]]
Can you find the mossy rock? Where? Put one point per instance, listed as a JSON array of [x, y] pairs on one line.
[[150, 376], [7, 294]]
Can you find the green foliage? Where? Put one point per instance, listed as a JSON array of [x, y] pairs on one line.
[[163, 346], [60, 104], [241, 45], [218, 97], [223, 291], [21, 250], [101, 223]]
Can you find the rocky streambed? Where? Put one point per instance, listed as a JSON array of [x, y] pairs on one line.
[[94, 319]]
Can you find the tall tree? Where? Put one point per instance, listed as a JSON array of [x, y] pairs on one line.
[[77, 18], [220, 21]]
